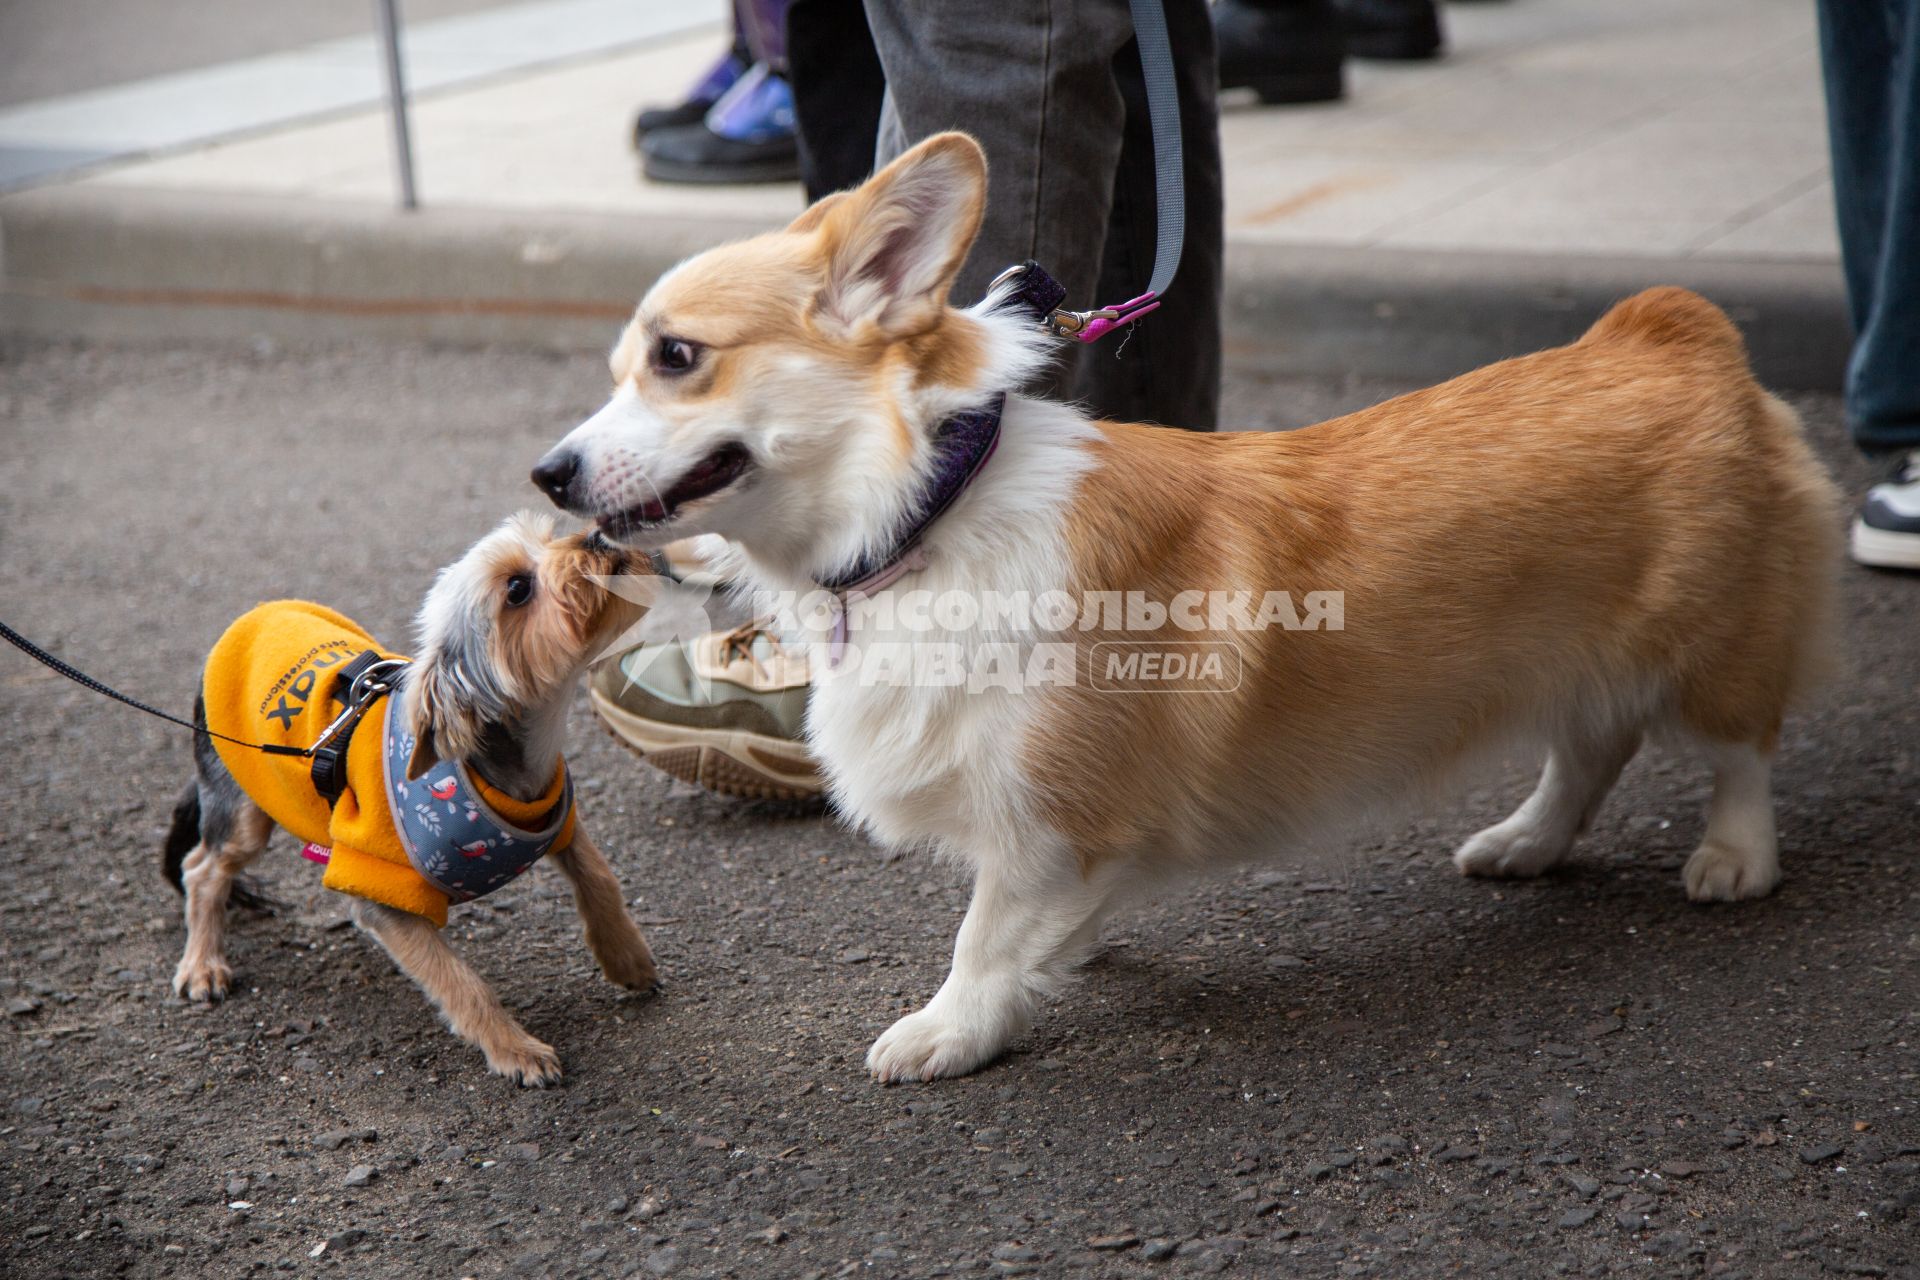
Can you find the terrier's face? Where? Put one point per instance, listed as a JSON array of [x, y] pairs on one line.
[[505, 630]]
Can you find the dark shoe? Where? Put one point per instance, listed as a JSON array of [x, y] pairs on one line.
[[1887, 533], [722, 76], [1291, 51], [696, 154], [747, 136], [1397, 30]]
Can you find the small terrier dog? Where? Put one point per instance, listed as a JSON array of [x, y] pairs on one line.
[[451, 788]]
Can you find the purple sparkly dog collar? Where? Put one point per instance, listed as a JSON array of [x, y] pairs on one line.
[[961, 447]]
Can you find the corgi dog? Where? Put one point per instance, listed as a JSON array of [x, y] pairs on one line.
[[1623, 537]]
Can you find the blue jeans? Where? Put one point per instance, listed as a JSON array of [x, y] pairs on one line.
[[1871, 53]]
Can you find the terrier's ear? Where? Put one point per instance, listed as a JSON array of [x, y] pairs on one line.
[[894, 245], [419, 717], [424, 755], [443, 723]]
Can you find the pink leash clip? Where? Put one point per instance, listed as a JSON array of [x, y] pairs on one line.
[[1095, 325], [1041, 293], [1042, 296]]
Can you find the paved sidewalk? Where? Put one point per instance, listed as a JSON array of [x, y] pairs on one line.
[[1563, 153], [195, 108], [1554, 126]]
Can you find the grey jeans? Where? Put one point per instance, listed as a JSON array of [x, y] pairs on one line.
[[1052, 89]]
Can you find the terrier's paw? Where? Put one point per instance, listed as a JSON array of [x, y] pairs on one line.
[[930, 1046], [527, 1062], [202, 979], [629, 966], [1718, 872], [1511, 850]]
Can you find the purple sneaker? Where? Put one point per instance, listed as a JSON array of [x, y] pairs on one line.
[[747, 136], [720, 77]]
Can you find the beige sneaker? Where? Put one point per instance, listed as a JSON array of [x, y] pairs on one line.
[[723, 711]]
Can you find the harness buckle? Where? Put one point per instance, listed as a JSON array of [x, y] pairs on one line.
[[328, 773], [369, 681]]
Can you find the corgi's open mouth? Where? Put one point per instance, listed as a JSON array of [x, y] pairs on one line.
[[719, 469]]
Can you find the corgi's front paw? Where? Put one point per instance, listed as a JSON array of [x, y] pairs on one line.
[[527, 1062], [1514, 849], [202, 978], [930, 1045], [1720, 872]]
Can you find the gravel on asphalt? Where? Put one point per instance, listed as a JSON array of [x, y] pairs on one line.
[[1361, 1064]]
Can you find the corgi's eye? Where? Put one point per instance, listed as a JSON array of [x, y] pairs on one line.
[[519, 590], [674, 355]]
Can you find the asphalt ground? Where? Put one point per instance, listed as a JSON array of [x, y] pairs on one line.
[[1360, 1065]]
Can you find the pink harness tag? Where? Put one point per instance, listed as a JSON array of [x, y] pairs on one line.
[[912, 562], [316, 853]]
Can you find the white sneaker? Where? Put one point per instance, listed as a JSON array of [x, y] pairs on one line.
[[1887, 533]]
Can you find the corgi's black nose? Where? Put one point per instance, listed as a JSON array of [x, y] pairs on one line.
[[555, 472]]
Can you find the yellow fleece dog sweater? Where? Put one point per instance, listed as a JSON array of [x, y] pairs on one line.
[[269, 679]]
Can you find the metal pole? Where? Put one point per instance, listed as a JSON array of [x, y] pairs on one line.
[[389, 15]]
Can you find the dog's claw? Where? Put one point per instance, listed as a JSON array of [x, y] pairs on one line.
[[530, 1064], [1514, 849], [630, 967], [926, 1046], [634, 980], [206, 982], [1720, 872]]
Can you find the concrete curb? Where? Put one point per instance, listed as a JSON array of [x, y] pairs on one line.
[[116, 262], [1428, 316]]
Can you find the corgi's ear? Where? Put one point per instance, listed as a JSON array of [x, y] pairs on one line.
[[894, 245], [816, 212]]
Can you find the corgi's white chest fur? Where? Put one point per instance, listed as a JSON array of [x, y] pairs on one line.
[[916, 762]]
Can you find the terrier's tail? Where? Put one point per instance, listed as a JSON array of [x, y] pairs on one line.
[[181, 836], [184, 835]]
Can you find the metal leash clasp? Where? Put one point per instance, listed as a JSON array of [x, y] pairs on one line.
[[329, 769], [1071, 324], [1082, 326], [1090, 326], [367, 687]]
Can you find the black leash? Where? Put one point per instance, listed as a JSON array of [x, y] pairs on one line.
[[86, 681], [329, 760]]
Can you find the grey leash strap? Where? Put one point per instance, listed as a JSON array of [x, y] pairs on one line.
[[1040, 291], [1163, 111]]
